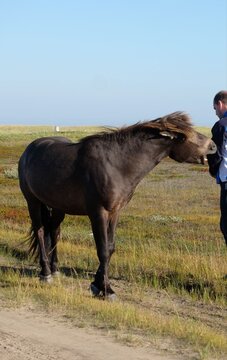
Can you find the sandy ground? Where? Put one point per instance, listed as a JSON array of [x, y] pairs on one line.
[[27, 335]]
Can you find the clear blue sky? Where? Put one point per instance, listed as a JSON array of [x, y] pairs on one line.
[[75, 62]]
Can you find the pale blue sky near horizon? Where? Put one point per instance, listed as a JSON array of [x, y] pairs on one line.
[[110, 63]]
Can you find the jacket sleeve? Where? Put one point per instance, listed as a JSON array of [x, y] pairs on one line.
[[214, 160]]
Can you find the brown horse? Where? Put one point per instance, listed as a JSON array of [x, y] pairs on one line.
[[97, 177]]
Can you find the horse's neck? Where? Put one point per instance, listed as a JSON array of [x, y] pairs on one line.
[[140, 157]]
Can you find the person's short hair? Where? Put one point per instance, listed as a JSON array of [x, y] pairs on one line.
[[221, 96]]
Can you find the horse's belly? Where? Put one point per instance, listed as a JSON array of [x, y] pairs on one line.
[[67, 199]]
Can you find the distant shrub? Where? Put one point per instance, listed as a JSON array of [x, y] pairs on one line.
[[166, 219], [11, 173]]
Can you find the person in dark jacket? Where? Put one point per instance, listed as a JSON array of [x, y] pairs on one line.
[[218, 161]]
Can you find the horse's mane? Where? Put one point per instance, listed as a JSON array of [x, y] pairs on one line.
[[177, 122]]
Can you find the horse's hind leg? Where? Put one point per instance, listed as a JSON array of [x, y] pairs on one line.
[[56, 218], [40, 236], [45, 273]]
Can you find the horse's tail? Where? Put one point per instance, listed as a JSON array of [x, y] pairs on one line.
[[32, 239]]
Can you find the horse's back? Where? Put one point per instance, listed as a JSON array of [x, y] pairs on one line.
[[44, 142], [48, 145], [40, 152]]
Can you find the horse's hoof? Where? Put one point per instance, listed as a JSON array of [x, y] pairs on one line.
[[46, 278], [94, 290], [111, 297]]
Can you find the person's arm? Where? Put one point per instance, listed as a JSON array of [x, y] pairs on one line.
[[214, 160]]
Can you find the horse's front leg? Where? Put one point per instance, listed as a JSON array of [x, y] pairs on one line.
[[101, 284], [111, 232]]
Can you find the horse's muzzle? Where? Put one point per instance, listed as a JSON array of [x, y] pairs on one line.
[[212, 148]]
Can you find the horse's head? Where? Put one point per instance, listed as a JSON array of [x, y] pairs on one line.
[[192, 148], [188, 145]]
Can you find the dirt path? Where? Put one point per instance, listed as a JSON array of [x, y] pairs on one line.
[[27, 335]]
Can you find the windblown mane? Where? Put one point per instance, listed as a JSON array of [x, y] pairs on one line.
[[177, 122]]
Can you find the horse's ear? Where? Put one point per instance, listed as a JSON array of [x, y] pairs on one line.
[[169, 134]]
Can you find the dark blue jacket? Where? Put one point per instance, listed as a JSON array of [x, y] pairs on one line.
[[218, 131]]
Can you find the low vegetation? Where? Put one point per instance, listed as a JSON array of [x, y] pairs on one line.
[[168, 245]]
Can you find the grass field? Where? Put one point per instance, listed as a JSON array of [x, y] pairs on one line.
[[169, 264]]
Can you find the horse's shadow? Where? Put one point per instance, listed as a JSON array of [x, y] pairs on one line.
[[33, 270], [26, 271]]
